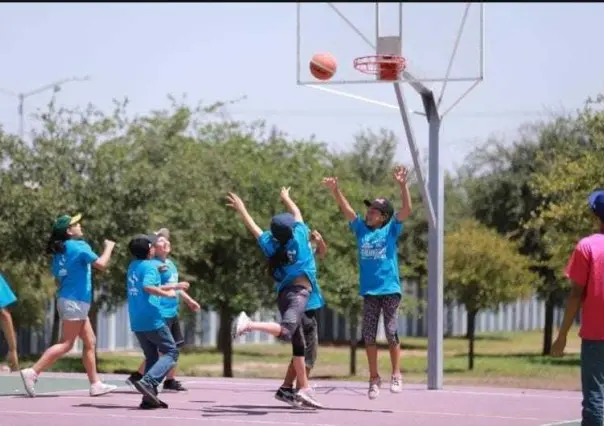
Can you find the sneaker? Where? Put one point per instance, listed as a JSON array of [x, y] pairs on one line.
[[172, 385], [148, 391], [100, 388], [149, 404], [29, 377], [287, 395], [133, 378], [240, 325], [307, 398], [374, 387], [396, 384]]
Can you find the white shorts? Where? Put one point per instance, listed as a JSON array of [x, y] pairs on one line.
[[72, 310]]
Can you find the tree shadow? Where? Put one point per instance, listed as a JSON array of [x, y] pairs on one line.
[[250, 410], [106, 406]]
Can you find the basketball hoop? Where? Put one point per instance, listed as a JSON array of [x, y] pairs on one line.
[[387, 67]]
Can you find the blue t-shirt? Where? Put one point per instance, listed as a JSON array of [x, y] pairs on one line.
[[169, 275], [143, 307], [302, 262], [7, 297], [73, 270], [378, 257]]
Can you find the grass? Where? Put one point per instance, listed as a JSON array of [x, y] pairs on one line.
[[502, 359]]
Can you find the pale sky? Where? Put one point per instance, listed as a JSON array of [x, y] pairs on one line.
[[539, 57]]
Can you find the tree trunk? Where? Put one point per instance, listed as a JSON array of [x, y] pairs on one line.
[[471, 335], [548, 328], [225, 343], [56, 325], [354, 320]]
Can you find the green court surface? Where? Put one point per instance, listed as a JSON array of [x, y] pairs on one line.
[[11, 385]]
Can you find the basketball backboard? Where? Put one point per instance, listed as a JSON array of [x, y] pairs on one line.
[[427, 35]]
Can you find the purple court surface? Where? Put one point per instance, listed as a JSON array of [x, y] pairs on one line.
[[63, 400]]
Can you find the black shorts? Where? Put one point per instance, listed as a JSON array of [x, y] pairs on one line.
[[311, 337], [174, 326]]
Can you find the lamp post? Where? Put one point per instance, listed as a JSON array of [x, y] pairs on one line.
[[55, 86]]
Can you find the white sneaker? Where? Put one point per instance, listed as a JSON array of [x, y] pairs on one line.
[[240, 325], [29, 377], [396, 384], [374, 388], [100, 388]]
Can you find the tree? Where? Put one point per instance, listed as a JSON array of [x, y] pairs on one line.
[[498, 182], [483, 270]]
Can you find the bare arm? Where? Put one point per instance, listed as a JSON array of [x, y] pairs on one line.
[[158, 291], [400, 175], [332, 184], [183, 285], [191, 303], [236, 203], [102, 262], [320, 242], [573, 303], [290, 205]]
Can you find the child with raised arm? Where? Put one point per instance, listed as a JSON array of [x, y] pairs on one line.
[[8, 298], [292, 265], [287, 393], [379, 278]]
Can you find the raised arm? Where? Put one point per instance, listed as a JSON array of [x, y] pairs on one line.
[[332, 184], [320, 242], [400, 175], [102, 262], [236, 204], [290, 205]]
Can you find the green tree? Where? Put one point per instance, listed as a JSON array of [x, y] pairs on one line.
[[483, 270]]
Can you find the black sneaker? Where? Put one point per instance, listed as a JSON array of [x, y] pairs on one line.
[[148, 391], [133, 378], [287, 395], [172, 385]]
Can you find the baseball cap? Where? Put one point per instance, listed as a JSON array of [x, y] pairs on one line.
[[596, 203], [381, 204], [64, 222], [163, 232], [282, 227], [140, 245]]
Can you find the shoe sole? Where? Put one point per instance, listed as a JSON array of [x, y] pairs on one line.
[[309, 403], [146, 392], [31, 393], [292, 402]]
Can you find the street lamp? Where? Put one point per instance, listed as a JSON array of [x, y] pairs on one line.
[[55, 86]]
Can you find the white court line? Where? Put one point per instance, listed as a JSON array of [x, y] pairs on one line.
[[562, 423], [452, 391], [130, 416]]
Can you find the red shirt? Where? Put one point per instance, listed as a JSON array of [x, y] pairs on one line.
[[586, 268]]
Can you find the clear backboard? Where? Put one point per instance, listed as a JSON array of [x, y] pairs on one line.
[[441, 42]]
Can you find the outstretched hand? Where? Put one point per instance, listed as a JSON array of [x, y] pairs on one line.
[[316, 236], [400, 174], [331, 183], [235, 202], [285, 193]]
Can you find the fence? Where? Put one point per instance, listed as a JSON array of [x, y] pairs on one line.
[[113, 333]]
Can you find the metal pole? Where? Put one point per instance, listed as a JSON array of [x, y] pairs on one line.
[[436, 187], [55, 86]]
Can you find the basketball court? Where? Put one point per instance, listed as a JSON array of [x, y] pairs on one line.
[[62, 399]]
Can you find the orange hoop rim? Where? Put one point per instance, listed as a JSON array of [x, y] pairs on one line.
[[373, 64]]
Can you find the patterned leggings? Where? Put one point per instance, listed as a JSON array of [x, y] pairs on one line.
[[372, 307]]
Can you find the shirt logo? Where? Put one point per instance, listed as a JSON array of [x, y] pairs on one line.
[[132, 285], [373, 250]]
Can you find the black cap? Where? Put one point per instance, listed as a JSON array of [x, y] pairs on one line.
[[596, 203], [381, 204], [140, 245], [282, 227]]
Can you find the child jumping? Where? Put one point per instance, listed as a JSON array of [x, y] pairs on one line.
[[380, 285], [292, 265]]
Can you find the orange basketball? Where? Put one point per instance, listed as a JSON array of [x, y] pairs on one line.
[[323, 66]]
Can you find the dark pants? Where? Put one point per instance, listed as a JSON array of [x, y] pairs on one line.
[[373, 306], [292, 302], [592, 380], [311, 337], [152, 343]]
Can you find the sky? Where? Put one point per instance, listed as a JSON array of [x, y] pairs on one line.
[[539, 58]]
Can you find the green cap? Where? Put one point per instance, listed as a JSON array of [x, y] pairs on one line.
[[64, 222]]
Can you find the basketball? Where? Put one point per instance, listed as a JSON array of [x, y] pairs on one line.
[[323, 66]]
